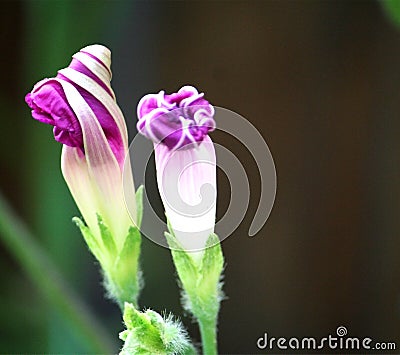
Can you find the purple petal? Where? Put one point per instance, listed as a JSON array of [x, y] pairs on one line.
[[107, 123], [50, 106], [147, 104], [177, 119]]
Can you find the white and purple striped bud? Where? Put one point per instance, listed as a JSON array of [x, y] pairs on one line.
[[80, 104], [178, 124]]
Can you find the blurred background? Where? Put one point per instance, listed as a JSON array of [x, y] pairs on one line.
[[321, 82]]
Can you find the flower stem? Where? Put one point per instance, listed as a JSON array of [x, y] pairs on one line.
[[208, 331], [44, 274]]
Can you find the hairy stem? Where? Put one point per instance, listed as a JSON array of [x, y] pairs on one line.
[[208, 331]]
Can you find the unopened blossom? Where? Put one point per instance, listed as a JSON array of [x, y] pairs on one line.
[[81, 106], [80, 103], [179, 124]]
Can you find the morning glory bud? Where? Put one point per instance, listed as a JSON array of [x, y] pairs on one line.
[[81, 106], [179, 124]]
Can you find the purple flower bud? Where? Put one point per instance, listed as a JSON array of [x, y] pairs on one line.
[[175, 120], [178, 124], [89, 73], [81, 105]]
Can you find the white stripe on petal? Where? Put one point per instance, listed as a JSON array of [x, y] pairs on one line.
[[96, 68], [102, 53], [161, 102], [190, 99], [100, 94]]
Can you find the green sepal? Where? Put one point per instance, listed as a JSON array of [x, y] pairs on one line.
[[212, 263], [122, 275], [90, 240], [139, 205], [202, 288], [184, 263], [149, 333], [124, 278], [108, 240]]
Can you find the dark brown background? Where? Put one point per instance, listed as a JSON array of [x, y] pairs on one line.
[[320, 80]]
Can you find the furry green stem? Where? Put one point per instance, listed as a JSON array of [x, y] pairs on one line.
[[208, 331]]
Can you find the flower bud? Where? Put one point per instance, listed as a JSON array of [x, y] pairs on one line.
[[81, 106], [179, 124]]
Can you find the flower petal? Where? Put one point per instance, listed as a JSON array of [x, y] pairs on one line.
[[103, 170], [176, 120], [187, 183], [110, 118], [76, 174]]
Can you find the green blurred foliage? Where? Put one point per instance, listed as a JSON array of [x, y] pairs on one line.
[[392, 9]]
